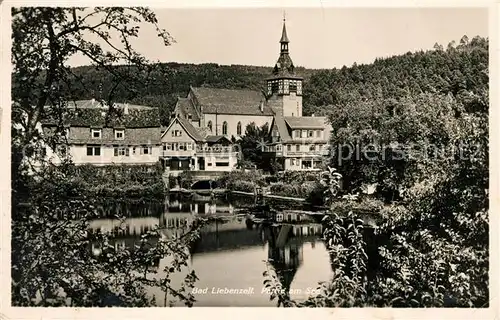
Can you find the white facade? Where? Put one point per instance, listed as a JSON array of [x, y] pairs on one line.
[[232, 120], [80, 155]]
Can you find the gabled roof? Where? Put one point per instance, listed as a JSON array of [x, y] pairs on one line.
[[231, 101], [280, 124], [184, 107], [306, 122], [187, 126]]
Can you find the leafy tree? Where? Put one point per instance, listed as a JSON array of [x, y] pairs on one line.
[[433, 242], [252, 143], [51, 259]]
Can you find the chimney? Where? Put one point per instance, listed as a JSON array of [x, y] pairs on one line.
[[312, 115], [125, 108], [93, 101], [262, 106]]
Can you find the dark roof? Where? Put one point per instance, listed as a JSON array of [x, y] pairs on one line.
[[133, 136], [284, 37], [280, 124], [231, 101], [96, 104], [190, 129], [85, 113], [306, 122], [214, 139], [184, 107]]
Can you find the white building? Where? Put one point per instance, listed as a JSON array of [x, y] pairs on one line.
[[91, 137]]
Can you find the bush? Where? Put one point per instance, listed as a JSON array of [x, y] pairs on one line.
[[292, 190], [241, 185]]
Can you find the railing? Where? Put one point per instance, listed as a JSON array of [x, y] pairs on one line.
[[200, 150], [216, 149], [306, 153], [318, 153], [177, 153]]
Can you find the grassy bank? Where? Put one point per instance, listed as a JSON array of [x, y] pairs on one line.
[[290, 184]]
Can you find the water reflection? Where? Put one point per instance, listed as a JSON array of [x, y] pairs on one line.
[[231, 251]]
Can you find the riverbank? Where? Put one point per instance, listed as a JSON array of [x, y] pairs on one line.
[[300, 186]]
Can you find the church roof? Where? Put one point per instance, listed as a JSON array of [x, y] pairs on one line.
[[284, 37], [307, 122], [231, 101]]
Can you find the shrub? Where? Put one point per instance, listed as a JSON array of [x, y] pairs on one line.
[[241, 185]]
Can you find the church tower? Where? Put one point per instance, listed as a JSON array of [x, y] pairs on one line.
[[284, 88]]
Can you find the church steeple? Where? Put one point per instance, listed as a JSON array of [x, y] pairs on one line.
[[284, 38], [284, 86]]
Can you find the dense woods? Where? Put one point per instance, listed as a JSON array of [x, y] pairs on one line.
[[160, 86], [420, 123]]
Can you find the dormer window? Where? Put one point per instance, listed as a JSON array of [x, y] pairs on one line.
[[119, 134], [96, 133]]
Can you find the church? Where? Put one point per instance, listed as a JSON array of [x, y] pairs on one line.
[[297, 142]]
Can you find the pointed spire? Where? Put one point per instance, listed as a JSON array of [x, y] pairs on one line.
[[284, 37]]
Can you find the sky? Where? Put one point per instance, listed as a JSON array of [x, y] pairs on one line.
[[319, 38]]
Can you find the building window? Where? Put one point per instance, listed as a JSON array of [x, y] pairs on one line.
[[133, 150], [93, 150], [274, 87], [297, 133], [289, 147], [238, 129], [222, 164], [190, 146], [146, 150], [310, 133], [297, 147], [224, 128], [278, 147], [96, 133], [120, 134], [209, 125], [318, 133], [121, 151], [304, 133], [176, 133], [292, 161], [312, 147]]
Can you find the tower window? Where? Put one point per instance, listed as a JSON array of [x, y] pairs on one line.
[[209, 125], [293, 86], [238, 129], [224, 128], [274, 87]]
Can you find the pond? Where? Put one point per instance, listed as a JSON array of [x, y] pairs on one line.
[[230, 257]]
